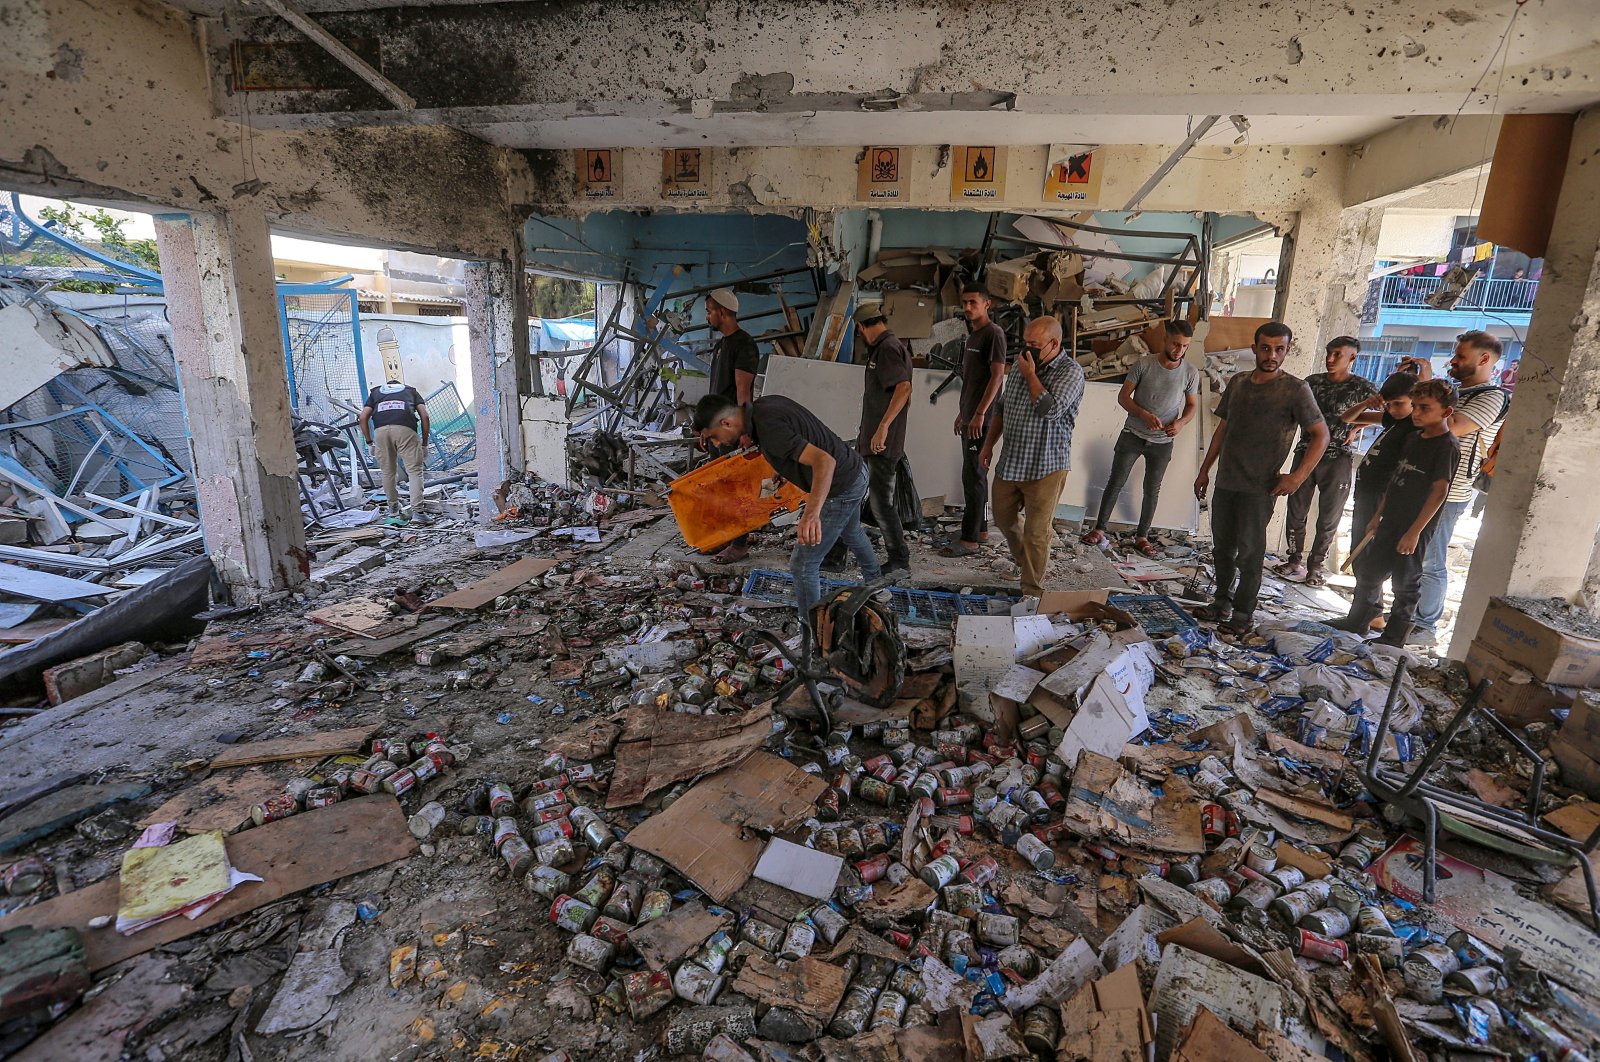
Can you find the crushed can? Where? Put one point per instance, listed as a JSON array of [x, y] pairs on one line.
[[1389, 949], [26, 876], [272, 809], [647, 992]]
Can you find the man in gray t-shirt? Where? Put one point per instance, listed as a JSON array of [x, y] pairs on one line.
[[1160, 394], [1257, 419]]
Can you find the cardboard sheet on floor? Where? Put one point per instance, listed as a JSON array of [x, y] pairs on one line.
[[478, 594], [61, 809], [296, 747], [799, 869], [669, 938], [221, 802], [1106, 1019], [360, 616], [659, 747], [1187, 981], [810, 986], [373, 648], [1488, 906], [1110, 801], [1199, 935], [1574, 820], [1209, 1039], [588, 741], [290, 855], [707, 835]]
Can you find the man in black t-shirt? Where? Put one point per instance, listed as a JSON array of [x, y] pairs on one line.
[[805, 452], [391, 418], [881, 438], [1407, 517], [983, 373], [734, 364], [1390, 409]]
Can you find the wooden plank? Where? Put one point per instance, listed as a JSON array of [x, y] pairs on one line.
[[15, 798], [298, 747], [221, 802], [371, 649], [485, 590], [291, 855], [42, 586], [810, 986], [370, 533], [61, 809], [23, 633], [359, 616]]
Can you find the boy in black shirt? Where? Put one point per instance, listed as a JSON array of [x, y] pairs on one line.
[[1391, 408], [1406, 517]]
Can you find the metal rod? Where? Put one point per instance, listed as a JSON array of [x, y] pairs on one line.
[[291, 13], [1201, 128]]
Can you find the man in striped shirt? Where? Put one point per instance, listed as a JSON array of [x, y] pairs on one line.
[[1037, 411], [1481, 408]]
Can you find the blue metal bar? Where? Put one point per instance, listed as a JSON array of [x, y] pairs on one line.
[[355, 335], [124, 268]]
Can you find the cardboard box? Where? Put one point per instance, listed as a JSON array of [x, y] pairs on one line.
[[1514, 694], [1577, 769], [1009, 280], [911, 314], [1550, 654], [1582, 728]]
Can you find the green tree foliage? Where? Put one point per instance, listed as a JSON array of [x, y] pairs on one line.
[[108, 236], [552, 297]]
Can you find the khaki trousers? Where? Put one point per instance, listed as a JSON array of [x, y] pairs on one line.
[[1028, 538], [397, 444]]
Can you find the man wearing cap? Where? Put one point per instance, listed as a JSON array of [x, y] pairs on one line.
[[882, 436], [734, 364], [806, 453]]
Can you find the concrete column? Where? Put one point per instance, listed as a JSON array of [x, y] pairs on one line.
[[496, 305], [222, 299], [1538, 535], [1334, 250]]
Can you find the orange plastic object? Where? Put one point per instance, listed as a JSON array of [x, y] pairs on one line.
[[722, 499]]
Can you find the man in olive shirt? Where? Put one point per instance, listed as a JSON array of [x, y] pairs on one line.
[[882, 437], [805, 452], [983, 373], [734, 364], [1256, 423]]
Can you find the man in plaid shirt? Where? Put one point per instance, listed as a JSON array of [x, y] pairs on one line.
[[1037, 411]]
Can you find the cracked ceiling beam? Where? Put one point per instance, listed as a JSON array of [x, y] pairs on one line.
[[290, 13]]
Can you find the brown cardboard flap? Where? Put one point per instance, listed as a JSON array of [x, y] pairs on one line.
[[707, 834]]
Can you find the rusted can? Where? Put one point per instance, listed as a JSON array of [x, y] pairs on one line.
[[1345, 899], [322, 797], [899, 938], [501, 799], [1359, 853], [980, 871], [624, 902], [547, 882], [272, 809], [880, 760], [647, 993], [963, 899], [874, 837], [1034, 804], [1036, 852], [591, 953], [1020, 960], [572, 915], [851, 844], [1287, 878], [874, 791], [611, 931], [997, 929], [537, 801], [655, 904], [1327, 922], [597, 890], [948, 797], [546, 832], [1287, 910], [830, 922], [476, 825], [1213, 823], [587, 823], [339, 778], [1425, 969], [26, 876], [871, 870], [554, 781], [554, 813], [895, 736], [1041, 1028], [855, 1011], [827, 841], [889, 1012], [1371, 920], [798, 941], [763, 935], [1390, 950], [941, 872], [696, 984], [926, 756], [1053, 797], [907, 981], [1479, 980], [516, 854], [505, 827], [1257, 894], [1215, 890], [648, 866], [429, 817], [1261, 858], [1314, 946], [425, 767], [556, 852], [400, 782]]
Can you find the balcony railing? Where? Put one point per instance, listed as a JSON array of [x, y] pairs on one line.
[[1502, 295]]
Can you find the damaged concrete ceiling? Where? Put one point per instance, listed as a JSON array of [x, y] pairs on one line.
[[627, 74]]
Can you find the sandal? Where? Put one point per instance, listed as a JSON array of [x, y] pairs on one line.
[[957, 549], [1316, 577], [1093, 537], [1212, 613], [1238, 626], [1145, 546]]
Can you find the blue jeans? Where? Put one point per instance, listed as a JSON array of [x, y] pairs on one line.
[[1430, 606], [841, 522]]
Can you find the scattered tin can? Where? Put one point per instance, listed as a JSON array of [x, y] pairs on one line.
[[1020, 960], [501, 799], [1213, 823], [1261, 858], [1390, 950], [545, 832], [876, 791], [1371, 920], [1041, 1028], [1345, 899], [850, 842], [572, 915], [1257, 894], [400, 782], [1034, 804], [517, 855], [547, 882], [428, 818], [556, 852], [798, 941], [505, 827], [1479, 980], [855, 1011], [940, 872], [763, 935], [980, 871], [26, 876], [696, 984], [538, 801], [1036, 852], [890, 1011], [322, 797], [1327, 922], [1289, 909], [997, 929], [1214, 890], [597, 890], [871, 870], [611, 931], [655, 904], [647, 993], [1425, 969], [591, 953], [830, 922], [963, 899], [1313, 946], [273, 808], [624, 902], [713, 954]]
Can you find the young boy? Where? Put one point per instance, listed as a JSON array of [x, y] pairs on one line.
[[1391, 408], [1406, 517]]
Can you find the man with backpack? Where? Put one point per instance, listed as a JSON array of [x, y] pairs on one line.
[[1480, 410]]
